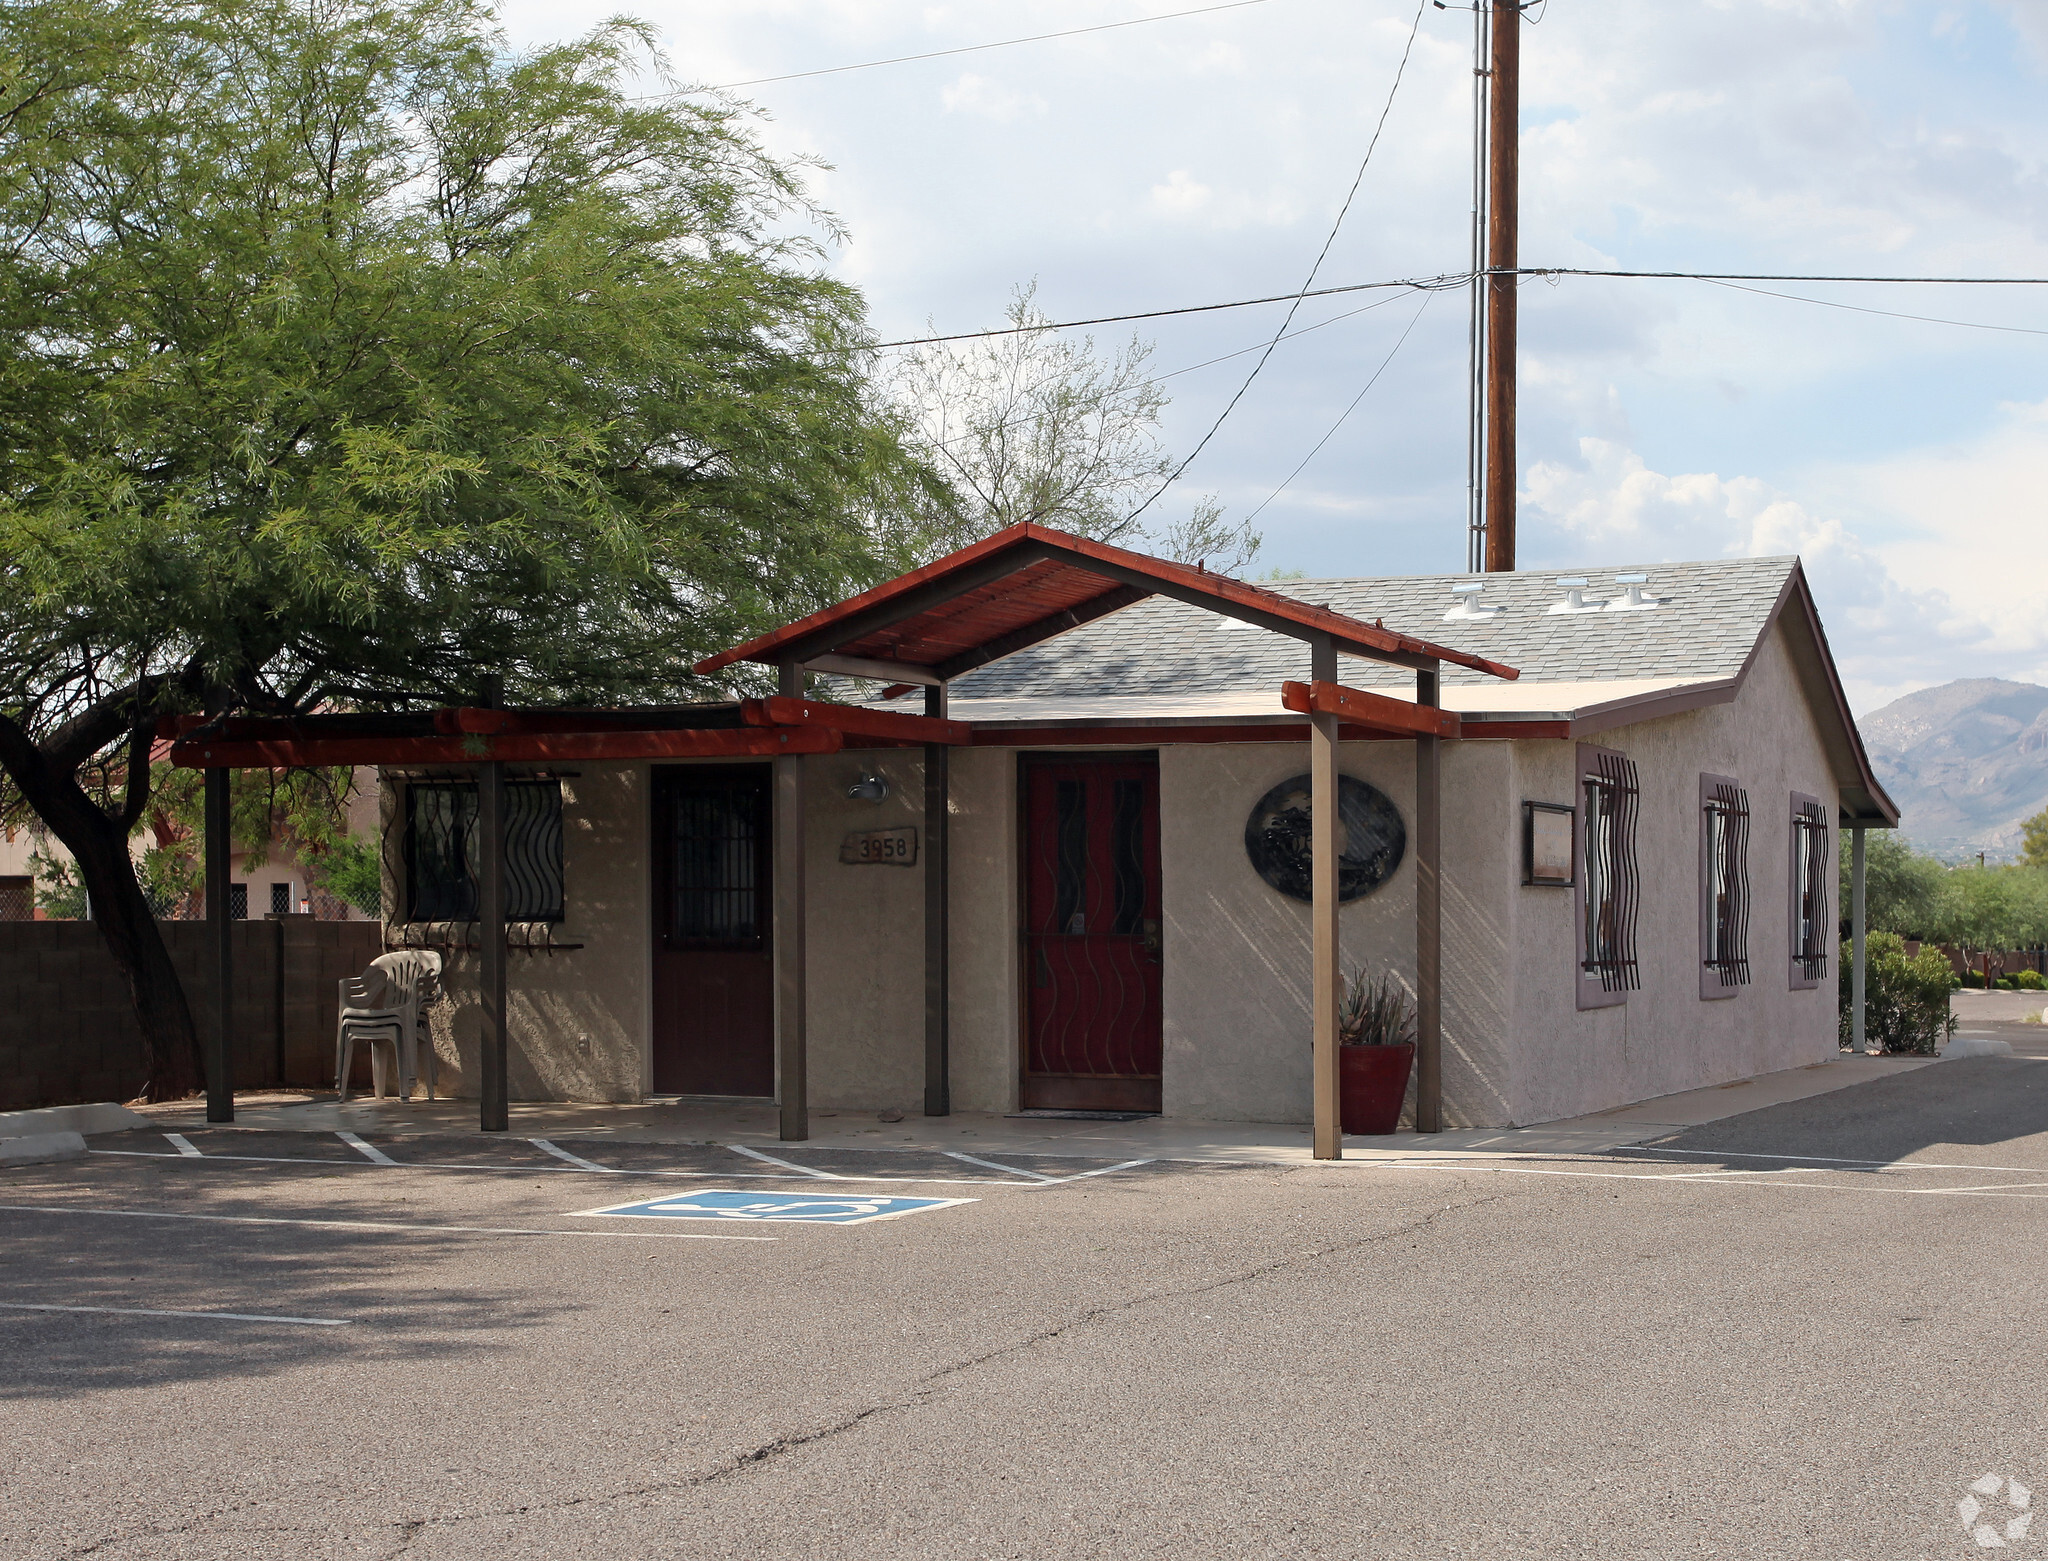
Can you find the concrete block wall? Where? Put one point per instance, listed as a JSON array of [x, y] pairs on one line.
[[67, 1024]]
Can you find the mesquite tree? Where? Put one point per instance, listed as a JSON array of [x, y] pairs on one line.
[[346, 355]]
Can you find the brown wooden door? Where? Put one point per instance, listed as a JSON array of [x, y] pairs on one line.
[[1091, 934], [714, 974]]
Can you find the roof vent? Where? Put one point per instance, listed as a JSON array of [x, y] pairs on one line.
[[1575, 596], [1468, 606], [1635, 601]]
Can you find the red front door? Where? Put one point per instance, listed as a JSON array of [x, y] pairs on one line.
[[1091, 933], [714, 972]]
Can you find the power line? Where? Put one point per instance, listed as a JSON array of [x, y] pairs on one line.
[[1447, 280], [1432, 283], [1343, 417], [1321, 255], [1788, 276], [972, 48], [1890, 314]]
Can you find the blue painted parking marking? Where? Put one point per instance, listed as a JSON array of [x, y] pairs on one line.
[[785, 1207]]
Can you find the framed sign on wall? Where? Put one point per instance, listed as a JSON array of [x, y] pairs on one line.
[[1547, 856]]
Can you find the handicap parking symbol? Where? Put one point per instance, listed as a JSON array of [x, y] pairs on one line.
[[782, 1207]]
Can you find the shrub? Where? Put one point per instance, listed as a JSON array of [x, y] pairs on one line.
[[1905, 1000], [2028, 981], [1974, 980]]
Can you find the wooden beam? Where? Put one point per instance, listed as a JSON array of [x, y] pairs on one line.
[[1113, 600], [873, 667], [938, 996], [1429, 918], [1328, 1134], [741, 742], [220, 1081], [792, 1055], [897, 724], [1362, 708]]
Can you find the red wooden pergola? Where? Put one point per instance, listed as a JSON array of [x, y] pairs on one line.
[[1017, 588]]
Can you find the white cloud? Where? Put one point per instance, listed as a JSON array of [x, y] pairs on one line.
[[973, 94], [1895, 624], [1182, 195]]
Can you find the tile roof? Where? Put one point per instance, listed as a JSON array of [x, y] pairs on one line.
[[1712, 615]]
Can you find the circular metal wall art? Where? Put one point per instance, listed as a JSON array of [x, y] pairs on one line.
[[1371, 839]]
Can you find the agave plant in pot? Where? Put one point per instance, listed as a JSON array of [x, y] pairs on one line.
[[1375, 1049]]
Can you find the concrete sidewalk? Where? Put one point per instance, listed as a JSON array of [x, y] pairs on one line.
[[1154, 1139]]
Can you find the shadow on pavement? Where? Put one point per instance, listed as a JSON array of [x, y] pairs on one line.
[[1953, 1110], [405, 1295]]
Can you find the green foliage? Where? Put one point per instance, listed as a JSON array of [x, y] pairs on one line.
[[2027, 981], [2034, 840], [1905, 1000], [351, 870], [173, 881], [345, 355], [1902, 889], [59, 894], [1992, 908], [1374, 1013]]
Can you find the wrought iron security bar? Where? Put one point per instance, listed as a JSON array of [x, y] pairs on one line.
[[1613, 885], [1727, 809], [441, 841], [1811, 924]]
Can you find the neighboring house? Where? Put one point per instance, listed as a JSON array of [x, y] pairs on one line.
[[279, 887], [1638, 847]]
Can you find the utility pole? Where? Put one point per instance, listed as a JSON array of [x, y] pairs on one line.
[[1503, 179]]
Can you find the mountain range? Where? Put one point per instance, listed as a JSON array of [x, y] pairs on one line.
[[1966, 763]]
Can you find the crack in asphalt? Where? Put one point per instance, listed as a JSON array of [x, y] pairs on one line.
[[928, 1391], [934, 1383]]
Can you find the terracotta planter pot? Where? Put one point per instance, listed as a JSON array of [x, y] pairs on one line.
[[1372, 1081]]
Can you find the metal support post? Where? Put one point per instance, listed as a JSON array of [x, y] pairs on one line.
[[1856, 929], [791, 1044], [938, 1089], [1328, 1137], [220, 1082], [496, 1116], [1429, 918]]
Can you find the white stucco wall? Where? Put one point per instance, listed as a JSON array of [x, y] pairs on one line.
[[577, 1018], [1238, 952], [1665, 1038]]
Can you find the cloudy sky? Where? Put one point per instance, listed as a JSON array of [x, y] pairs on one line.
[[1204, 158]]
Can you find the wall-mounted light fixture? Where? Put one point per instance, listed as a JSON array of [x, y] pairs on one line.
[[869, 788]]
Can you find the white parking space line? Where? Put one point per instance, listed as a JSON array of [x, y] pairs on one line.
[[184, 1147], [990, 1165], [1104, 1170], [791, 1165], [379, 1225], [368, 1151], [569, 1170], [166, 1311], [1727, 1180], [574, 1159], [1821, 1159]]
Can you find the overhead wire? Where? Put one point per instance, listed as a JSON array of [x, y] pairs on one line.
[[1890, 314], [972, 48], [1345, 415], [1321, 255], [1455, 279]]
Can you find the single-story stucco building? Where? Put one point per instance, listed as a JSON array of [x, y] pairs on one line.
[[1635, 837]]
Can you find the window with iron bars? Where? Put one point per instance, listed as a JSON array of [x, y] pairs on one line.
[[441, 840], [1609, 893], [1813, 928], [1724, 886]]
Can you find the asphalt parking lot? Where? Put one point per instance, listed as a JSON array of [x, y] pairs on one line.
[[1804, 1332]]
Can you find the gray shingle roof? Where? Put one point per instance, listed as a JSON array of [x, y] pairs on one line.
[[1713, 614]]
